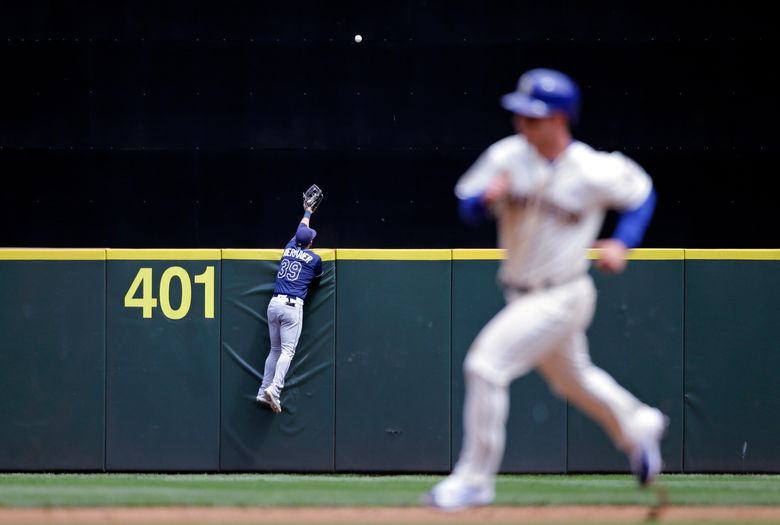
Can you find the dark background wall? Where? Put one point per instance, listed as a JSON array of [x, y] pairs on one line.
[[180, 124]]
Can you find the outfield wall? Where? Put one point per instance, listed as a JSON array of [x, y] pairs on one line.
[[149, 360]]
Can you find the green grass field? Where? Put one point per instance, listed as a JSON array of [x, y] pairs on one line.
[[50, 490]]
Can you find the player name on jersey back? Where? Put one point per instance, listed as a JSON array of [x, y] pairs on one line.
[[298, 253]]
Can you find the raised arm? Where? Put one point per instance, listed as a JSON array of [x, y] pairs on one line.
[[306, 217]]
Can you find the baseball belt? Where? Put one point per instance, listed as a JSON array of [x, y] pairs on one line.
[[523, 289]]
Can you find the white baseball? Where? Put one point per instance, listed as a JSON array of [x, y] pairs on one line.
[[358, 38]]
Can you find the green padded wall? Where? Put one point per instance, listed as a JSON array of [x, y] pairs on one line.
[[536, 428], [302, 436], [732, 361], [637, 337], [52, 359], [393, 361], [90, 383], [163, 373]]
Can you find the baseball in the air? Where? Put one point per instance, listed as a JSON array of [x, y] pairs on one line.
[[358, 39]]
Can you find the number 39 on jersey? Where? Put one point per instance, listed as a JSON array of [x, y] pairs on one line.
[[289, 270]]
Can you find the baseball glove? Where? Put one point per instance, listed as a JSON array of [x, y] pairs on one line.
[[312, 197]]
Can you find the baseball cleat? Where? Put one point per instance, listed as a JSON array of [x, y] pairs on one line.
[[646, 460], [262, 398], [273, 400], [646, 464], [453, 495]]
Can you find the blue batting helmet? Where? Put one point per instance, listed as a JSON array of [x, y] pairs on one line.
[[541, 93]]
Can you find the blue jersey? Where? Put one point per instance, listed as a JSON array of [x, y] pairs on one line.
[[297, 269]]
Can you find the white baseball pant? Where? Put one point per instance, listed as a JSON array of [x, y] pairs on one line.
[[543, 330], [285, 323]]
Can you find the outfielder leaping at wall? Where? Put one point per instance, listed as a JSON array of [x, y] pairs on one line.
[[298, 269]]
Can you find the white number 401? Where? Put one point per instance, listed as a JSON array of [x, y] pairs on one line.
[[147, 301]]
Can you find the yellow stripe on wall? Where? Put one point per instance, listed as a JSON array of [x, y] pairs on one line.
[[260, 254], [648, 254], [52, 254], [394, 255], [164, 255], [468, 254], [269, 254], [326, 255], [639, 254], [98, 254], [749, 255]]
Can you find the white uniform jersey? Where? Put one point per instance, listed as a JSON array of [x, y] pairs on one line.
[[556, 208]]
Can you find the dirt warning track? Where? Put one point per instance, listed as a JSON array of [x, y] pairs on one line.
[[227, 515]]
